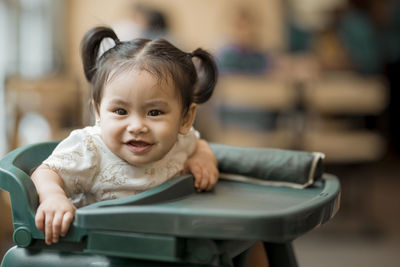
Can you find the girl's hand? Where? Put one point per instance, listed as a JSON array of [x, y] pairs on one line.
[[54, 216], [204, 167], [55, 212]]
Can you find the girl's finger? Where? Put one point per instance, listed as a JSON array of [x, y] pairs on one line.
[[57, 220], [204, 180], [48, 227], [66, 222], [39, 220], [197, 173], [212, 181]]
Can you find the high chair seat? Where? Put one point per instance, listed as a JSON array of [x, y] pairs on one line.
[[172, 224]]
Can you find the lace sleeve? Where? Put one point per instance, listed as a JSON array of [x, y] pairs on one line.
[[76, 160]]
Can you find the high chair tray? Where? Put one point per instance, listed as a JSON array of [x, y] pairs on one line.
[[232, 210]]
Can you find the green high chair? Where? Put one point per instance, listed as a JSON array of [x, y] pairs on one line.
[[269, 195]]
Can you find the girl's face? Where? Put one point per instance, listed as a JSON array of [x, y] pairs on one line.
[[140, 118]]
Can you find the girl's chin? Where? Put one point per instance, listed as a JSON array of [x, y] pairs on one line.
[[143, 156], [140, 160]]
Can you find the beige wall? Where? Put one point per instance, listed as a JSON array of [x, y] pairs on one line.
[[194, 23]]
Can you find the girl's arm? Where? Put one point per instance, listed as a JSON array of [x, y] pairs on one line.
[[203, 165], [55, 212]]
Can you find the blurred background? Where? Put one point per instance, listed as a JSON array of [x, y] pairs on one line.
[[294, 74]]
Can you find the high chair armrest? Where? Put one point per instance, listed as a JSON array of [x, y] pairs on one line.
[[267, 166], [15, 169], [14, 178]]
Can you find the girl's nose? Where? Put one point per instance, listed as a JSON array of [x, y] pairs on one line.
[[136, 126]]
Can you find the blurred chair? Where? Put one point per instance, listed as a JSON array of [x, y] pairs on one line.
[[338, 109], [253, 111], [57, 99], [343, 116]]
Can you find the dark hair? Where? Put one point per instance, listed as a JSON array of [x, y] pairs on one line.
[[158, 57]]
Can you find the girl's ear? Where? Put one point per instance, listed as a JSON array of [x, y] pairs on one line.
[[188, 119]]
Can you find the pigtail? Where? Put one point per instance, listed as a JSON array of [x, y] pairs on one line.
[[90, 48], [207, 75]]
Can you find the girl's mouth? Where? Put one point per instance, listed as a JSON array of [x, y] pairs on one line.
[[139, 146]]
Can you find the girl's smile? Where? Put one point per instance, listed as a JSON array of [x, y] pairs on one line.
[[138, 146]]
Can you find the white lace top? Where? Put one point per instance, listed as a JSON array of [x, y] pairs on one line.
[[92, 173]]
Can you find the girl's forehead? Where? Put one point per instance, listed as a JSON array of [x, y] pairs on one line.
[[140, 78], [141, 73]]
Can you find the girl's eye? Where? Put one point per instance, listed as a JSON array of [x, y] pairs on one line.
[[120, 111], [154, 113]]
